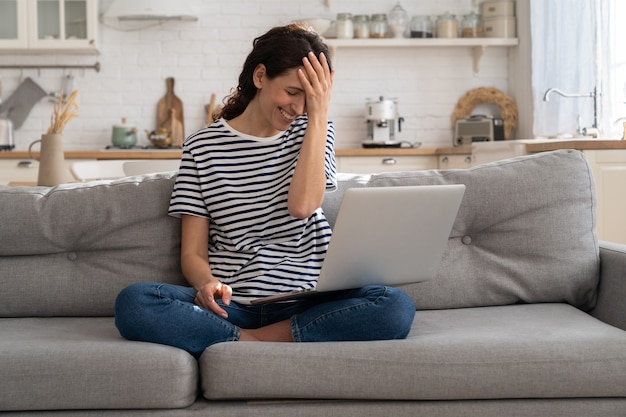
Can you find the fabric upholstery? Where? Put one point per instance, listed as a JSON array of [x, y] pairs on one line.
[[70, 249], [518, 351], [525, 232], [83, 363]]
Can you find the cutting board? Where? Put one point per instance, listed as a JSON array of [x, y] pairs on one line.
[[170, 114]]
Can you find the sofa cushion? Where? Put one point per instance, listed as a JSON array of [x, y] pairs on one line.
[[83, 363], [70, 249], [519, 351], [525, 232]]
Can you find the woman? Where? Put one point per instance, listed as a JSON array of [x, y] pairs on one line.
[[249, 195]]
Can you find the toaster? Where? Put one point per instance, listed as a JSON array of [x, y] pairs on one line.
[[478, 129]]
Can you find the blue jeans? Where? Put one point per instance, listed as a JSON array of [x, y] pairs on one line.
[[167, 314]]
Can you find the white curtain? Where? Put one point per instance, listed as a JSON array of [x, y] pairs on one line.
[[613, 66], [576, 48], [563, 56]]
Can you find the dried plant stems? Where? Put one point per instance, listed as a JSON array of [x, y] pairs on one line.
[[63, 113]]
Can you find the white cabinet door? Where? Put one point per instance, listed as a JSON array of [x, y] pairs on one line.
[[49, 25], [63, 24], [378, 164], [609, 171], [13, 24]]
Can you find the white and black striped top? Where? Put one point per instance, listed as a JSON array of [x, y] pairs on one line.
[[240, 183]]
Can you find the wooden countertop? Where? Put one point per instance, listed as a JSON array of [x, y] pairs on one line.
[[176, 153], [125, 154], [579, 144], [532, 145]]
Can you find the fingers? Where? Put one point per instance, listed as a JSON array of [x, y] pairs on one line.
[[208, 295], [317, 70]]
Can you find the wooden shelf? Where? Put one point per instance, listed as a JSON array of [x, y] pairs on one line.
[[478, 45], [420, 42]]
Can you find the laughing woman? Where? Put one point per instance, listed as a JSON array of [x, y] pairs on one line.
[[249, 195]]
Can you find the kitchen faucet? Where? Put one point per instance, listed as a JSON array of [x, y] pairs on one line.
[[594, 95]]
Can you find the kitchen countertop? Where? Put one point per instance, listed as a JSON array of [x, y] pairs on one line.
[[532, 145]]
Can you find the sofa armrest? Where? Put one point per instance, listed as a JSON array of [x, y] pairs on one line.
[[611, 302]]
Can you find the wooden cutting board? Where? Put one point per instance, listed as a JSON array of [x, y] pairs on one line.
[[170, 114]]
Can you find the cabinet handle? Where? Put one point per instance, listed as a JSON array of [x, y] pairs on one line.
[[444, 159], [468, 159], [389, 161]]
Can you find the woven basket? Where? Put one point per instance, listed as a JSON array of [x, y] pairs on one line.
[[473, 98]]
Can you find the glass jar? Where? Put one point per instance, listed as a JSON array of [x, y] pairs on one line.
[[447, 26], [421, 27], [379, 26], [345, 27], [398, 20], [361, 26], [472, 26]]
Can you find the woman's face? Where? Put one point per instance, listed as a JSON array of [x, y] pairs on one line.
[[281, 99]]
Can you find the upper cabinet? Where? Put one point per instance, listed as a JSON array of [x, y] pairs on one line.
[[48, 25]]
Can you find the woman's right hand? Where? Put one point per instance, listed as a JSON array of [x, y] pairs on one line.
[[210, 292]]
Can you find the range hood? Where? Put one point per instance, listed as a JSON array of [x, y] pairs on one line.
[[149, 11]]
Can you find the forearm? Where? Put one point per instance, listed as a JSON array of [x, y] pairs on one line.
[[196, 270], [306, 192]]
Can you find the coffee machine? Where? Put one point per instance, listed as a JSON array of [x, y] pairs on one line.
[[382, 117]]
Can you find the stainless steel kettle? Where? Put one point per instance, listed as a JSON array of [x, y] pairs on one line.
[[6, 134]]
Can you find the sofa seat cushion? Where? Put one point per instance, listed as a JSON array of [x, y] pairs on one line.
[[83, 363], [518, 351], [525, 232]]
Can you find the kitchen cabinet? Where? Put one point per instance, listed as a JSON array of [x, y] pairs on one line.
[[478, 45], [378, 164], [609, 172], [48, 25]]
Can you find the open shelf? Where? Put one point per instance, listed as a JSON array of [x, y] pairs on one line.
[[478, 45]]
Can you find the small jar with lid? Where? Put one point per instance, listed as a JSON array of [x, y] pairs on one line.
[[447, 26], [472, 26], [344, 27], [361, 26], [379, 26], [421, 27]]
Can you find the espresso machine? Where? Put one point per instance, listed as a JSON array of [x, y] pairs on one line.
[[382, 118]]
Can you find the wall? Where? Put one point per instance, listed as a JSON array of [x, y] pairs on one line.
[[206, 56]]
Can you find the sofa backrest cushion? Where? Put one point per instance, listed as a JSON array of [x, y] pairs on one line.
[[525, 232], [70, 249]]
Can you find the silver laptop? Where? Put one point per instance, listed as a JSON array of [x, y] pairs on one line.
[[386, 236]]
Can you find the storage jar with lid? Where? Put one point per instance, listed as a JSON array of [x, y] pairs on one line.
[[472, 26], [361, 26], [398, 20], [500, 27], [421, 27], [344, 26], [447, 26], [379, 26]]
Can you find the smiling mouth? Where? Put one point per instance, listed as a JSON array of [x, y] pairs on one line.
[[286, 115]]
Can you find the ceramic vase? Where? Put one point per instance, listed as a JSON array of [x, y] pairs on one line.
[[52, 168]]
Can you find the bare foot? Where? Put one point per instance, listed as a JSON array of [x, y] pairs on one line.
[[277, 332]]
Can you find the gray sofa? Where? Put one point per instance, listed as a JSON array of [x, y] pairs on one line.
[[525, 318]]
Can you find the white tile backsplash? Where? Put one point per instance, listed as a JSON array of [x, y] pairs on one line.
[[206, 57]]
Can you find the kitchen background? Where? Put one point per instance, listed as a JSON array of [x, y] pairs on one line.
[[206, 56]]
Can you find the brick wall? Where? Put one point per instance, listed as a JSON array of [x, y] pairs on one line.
[[206, 57]]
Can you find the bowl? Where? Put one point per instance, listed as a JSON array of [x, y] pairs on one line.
[[318, 24]]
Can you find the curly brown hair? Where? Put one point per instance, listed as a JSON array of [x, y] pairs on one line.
[[280, 49]]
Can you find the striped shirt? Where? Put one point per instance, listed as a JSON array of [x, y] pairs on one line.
[[240, 183]]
